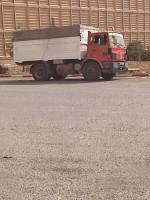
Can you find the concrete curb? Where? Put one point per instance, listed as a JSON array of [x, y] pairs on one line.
[[5, 76], [15, 76], [141, 75]]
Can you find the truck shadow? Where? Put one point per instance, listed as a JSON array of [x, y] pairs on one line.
[[22, 81]]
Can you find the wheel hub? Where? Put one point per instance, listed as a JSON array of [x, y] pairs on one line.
[[91, 71]]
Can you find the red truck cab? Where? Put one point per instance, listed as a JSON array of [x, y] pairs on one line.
[[106, 49]]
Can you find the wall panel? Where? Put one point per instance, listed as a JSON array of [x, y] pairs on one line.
[[84, 3], [85, 19], [133, 21], [127, 37], [126, 21], [111, 20], [134, 36], [140, 5], [147, 21], [147, 40], [34, 21], [133, 5], [20, 1], [55, 14], [75, 3], [103, 20], [31, 2], [9, 18], [141, 37], [102, 4], [141, 18], [44, 2], [44, 17], [126, 4], [147, 5], [66, 17], [66, 3], [119, 4], [111, 4], [76, 16], [95, 19], [2, 45], [93, 3], [55, 2], [21, 17], [1, 19], [119, 21]]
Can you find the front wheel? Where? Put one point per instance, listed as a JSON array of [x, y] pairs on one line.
[[108, 76], [91, 71]]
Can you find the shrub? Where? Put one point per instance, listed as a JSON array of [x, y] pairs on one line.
[[146, 55], [134, 55], [135, 46], [3, 70], [136, 51]]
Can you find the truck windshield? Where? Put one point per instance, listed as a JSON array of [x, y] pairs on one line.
[[116, 39]]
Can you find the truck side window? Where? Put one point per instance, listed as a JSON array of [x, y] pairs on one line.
[[100, 40], [90, 41], [97, 40]]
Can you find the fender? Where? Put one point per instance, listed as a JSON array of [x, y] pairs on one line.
[[92, 59]]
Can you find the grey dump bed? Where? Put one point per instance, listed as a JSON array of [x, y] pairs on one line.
[[54, 43]]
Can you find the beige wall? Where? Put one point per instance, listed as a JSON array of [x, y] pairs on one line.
[[131, 17]]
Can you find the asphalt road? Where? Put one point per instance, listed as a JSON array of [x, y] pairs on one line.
[[75, 140]]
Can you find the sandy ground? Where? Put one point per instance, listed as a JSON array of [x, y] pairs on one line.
[[75, 140], [142, 66]]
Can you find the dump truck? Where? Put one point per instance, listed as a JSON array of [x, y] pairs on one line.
[[56, 52]]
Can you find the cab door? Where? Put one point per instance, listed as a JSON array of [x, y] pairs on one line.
[[99, 48]]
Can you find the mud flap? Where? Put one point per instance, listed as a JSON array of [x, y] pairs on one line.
[[50, 67]]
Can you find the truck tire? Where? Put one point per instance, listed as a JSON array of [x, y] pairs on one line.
[[59, 77], [108, 76], [39, 72], [91, 71]]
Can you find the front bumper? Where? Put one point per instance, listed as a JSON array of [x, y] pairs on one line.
[[115, 67]]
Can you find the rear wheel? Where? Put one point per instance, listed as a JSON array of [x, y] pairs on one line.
[[108, 76], [39, 72], [91, 71]]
